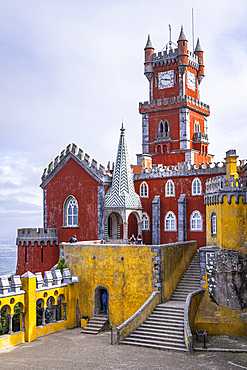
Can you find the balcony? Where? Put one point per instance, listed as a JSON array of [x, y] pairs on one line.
[[162, 137], [200, 136]]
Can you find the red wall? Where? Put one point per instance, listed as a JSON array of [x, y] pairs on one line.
[[32, 254], [73, 180], [182, 186]]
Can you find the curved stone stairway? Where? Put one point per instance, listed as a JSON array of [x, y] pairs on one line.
[[164, 328]]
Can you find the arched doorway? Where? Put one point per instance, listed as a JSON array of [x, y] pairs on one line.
[[133, 225], [114, 226], [101, 301]]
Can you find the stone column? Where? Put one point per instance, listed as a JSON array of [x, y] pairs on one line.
[[182, 228], [64, 311], [23, 321], [54, 319], [10, 323], [156, 220], [140, 228], [43, 315], [125, 230]]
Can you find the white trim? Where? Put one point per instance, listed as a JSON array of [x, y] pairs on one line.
[[170, 223], [68, 219], [198, 188], [145, 223], [170, 188], [144, 190], [196, 223]]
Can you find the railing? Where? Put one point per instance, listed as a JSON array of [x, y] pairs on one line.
[[133, 322], [29, 289], [164, 136], [200, 136], [189, 316], [224, 184]]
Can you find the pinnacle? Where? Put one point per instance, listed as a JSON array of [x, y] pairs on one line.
[[198, 45], [182, 36], [149, 44]]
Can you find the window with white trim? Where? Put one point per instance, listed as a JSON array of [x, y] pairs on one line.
[[170, 222], [196, 186], [196, 223], [213, 224], [144, 190], [71, 212], [145, 221], [170, 188]]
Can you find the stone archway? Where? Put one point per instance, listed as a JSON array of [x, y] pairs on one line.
[[113, 226], [99, 307]]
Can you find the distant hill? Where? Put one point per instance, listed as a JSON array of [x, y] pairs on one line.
[[8, 257]]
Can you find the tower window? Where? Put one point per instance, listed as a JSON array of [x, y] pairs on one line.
[[196, 186], [144, 190], [170, 222], [161, 127], [176, 77], [145, 221], [196, 221], [156, 81], [170, 189], [213, 224], [71, 212]]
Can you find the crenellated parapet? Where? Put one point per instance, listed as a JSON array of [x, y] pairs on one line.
[[182, 169], [220, 186], [174, 101], [29, 236], [83, 159]]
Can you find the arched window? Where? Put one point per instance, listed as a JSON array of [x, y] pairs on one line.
[[170, 222], [170, 189], [161, 127], [144, 190], [166, 126], [196, 186], [213, 224], [71, 212], [196, 221], [145, 221], [197, 126]]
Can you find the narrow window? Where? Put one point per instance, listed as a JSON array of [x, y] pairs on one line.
[[213, 224], [170, 189], [25, 253], [176, 77], [145, 221], [156, 81], [196, 186], [42, 253], [144, 190]]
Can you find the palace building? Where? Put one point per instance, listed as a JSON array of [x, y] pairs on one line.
[[160, 198]]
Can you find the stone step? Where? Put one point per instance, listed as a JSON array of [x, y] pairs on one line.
[[149, 345], [175, 328], [159, 338], [167, 333], [167, 320], [171, 344]]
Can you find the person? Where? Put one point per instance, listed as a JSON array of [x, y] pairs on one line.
[[104, 301], [73, 239], [139, 239], [132, 239]]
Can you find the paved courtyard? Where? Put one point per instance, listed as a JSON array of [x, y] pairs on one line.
[[70, 349]]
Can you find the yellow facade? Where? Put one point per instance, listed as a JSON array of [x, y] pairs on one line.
[[231, 224], [130, 273], [28, 299]]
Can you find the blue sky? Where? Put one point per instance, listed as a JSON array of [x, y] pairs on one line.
[[70, 71]]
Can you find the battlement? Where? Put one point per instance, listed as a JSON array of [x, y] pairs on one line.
[[171, 57], [173, 101], [165, 57], [81, 157], [39, 235], [182, 169], [219, 186]]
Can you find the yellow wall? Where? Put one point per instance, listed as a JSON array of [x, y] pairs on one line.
[[217, 320], [176, 259], [28, 301], [131, 280], [231, 225]]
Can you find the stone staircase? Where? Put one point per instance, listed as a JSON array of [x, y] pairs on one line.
[[96, 324], [164, 328]]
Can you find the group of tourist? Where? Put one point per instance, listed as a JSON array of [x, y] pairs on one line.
[[137, 240]]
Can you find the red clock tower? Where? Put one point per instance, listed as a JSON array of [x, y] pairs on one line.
[[174, 120]]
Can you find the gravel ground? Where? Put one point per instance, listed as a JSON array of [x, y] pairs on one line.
[[70, 349]]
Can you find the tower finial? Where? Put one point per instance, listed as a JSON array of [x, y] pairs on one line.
[[122, 129]]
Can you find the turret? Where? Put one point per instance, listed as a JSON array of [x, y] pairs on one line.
[[182, 49], [231, 164], [148, 64], [199, 53]]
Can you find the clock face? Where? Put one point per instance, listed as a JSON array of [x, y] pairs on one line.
[[166, 79], [191, 80]]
